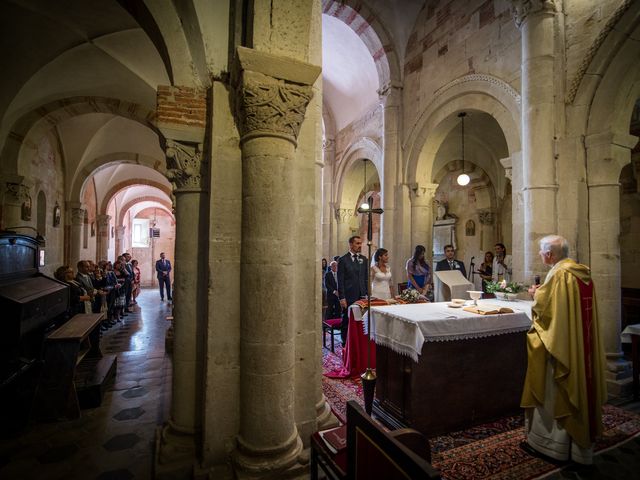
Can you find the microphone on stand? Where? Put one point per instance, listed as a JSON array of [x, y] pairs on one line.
[[471, 272]]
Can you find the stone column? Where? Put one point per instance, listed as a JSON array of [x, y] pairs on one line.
[[187, 172], [14, 194], [537, 22], [606, 155], [343, 220], [274, 92], [328, 220], [422, 217], [102, 249], [391, 99], [76, 215], [120, 232]]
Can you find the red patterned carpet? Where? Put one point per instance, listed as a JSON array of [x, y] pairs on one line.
[[488, 451]]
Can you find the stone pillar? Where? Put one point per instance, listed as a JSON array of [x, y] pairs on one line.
[[187, 172], [343, 221], [76, 215], [422, 217], [15, 193], [328, 219], [537, 22], [391, 99], [102, 249], [120, 232], [274, 94], [606, 155]]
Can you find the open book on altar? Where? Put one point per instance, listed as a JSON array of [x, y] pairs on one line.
[[335, 438], [487, 309]]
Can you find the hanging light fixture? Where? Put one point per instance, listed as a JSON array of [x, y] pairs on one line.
[[463, 178], [364, 206]]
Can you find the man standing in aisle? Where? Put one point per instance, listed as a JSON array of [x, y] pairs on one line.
[[565, 387], [163, 269], [352, 281]]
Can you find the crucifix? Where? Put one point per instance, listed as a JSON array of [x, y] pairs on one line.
[[369, 376]]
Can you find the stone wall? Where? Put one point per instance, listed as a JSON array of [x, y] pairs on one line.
[[89, 239]]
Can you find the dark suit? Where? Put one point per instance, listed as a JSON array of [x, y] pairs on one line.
[[352, 285], [457, 265], [163, 267], [333, 302]]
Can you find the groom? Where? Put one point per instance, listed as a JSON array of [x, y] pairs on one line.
[[352, 281], [163, 268]]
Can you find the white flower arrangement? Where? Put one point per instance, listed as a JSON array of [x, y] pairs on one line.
[[410, 295]]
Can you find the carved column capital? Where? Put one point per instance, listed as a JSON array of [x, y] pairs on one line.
[[103, 221], [77, 216], [422, 193], [486, 217], [328, 144], [16, 193], [270, 107], [507, 164], [522, 9], [185, 167], [343, 214]]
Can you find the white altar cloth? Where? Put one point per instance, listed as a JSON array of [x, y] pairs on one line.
[[404, 328], [625, 336]]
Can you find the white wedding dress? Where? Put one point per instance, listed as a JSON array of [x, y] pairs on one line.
[[381, 283]]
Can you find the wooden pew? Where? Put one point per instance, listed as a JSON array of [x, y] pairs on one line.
[[373, 453], [73, 362]]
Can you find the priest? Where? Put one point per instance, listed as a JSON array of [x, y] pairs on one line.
[[564, 387]]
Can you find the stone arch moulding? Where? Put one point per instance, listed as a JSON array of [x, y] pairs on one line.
[[356, 15], [81, 176], [130, 183], [363, 148], [478, 92], [163, 203], [33, 124]]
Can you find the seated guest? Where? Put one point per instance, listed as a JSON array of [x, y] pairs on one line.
[[485, 270], [501, 268], [79, 299], [418, 271], [331, 282], [381, 275], [450, 262]]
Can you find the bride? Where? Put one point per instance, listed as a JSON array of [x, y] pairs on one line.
[[381, 275]]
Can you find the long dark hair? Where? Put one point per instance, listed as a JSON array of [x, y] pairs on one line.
[[416, 255]]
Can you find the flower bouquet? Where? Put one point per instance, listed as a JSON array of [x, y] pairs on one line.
[[504, 290], [410, 295]]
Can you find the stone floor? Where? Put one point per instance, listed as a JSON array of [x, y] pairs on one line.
[[116, 440]]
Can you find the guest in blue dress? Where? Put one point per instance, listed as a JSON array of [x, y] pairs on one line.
[[418, 271]]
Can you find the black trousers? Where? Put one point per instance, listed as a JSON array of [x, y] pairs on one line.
[[165, 281]]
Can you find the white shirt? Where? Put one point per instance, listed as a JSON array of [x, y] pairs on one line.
[[497, 270]]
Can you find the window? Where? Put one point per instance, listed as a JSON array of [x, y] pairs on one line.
[[140, 233]]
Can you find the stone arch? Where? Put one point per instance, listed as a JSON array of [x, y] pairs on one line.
[[163, 202], [129, 183], [363, 148], [82, 175], [476, 92], [373, 34], [34, 124]]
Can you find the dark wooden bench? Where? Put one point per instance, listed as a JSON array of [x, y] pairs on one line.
[[75, 371], [373, 453]]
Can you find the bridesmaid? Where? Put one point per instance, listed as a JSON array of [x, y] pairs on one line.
[[418, 271]]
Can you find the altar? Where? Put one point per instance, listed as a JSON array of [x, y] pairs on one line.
[[442, 369]]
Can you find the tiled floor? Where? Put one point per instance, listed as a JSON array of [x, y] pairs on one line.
[[114, 441]]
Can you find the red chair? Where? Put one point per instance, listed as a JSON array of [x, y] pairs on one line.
[[331, 326]]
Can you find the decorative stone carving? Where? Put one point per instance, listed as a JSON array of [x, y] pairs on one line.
[[272, 107], [103, 221], [480, 77], [524, 8], [77, 216], [16, 193], [486, 217], [184, 166], [343, 214], [328, 144]]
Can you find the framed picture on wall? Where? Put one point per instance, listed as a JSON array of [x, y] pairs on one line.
[[56, 215], [93, 229], [25, 212], [113, 231]]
